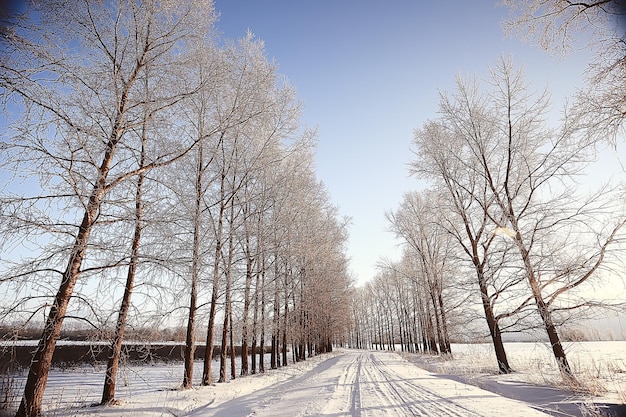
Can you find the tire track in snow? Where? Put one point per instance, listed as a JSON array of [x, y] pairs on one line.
[[346, 398], [355, 406], [410, 398], [367, 384]]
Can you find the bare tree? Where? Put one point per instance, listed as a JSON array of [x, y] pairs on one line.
[[203, 106], [77, 69], [415, 222], [443, 158], [528, 170], [554, 24], [263, 116], [108, 391]]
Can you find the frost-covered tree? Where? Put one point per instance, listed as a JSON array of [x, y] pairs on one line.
[[442, 158], [73, 79], [560, 25], [415, 221], [562, 238]]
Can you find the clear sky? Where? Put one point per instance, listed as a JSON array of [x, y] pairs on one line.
[[369, 73]]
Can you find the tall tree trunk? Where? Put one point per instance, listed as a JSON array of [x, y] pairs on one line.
[[284, 323], [110, 379], [253, 350], [255, 317], [444, 322], [303, 328], [553, 336], [275, 319], [438, 324], [190, 340], [400, 324], [262, 340], [233, 367], [284, 343], [546, 315], [379, 327], [228, 301], [494, 327], [225, 327], [30, 406], [246, 309], [431, 341], [210, 337], [390, 335]]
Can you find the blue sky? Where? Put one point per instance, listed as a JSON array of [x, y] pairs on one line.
[[369, 73]]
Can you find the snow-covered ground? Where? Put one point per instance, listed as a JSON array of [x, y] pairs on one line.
[[599, 367], [352, 383]]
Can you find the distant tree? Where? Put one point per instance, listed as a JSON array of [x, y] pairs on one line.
[[415, 222], [263, 116]]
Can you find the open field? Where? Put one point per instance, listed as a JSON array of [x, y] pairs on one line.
[[600, 367]]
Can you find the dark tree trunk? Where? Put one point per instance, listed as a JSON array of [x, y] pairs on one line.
[[233, 367], [108, 390], [431, 341], [190, 339], [494, 327], [544, 312], [210, 336], [246, 309], [227, 303], [275, 321], [262, 340], [444, 323], [284, 325], [255, 318]]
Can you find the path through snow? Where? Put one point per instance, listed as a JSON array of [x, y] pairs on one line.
[[363, 384], [341, 384]]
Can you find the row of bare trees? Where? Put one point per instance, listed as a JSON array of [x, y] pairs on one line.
[[505, 204], [401, 307], [506, 207], [155, 174]]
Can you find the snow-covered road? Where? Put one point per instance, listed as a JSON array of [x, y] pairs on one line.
[[367, 384]]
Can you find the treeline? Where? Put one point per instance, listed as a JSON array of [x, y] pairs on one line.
[[23, 332], [507, 230], [504, 231], [157, 175]]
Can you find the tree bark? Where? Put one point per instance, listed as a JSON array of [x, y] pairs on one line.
[[208, 353], [262, 339], [246, 309], [546, 316], [492, 323], [233, 367], [190, 339], [255, 317], [275, 320]]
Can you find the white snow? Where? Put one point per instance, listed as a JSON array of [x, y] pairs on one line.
[[600, 367], [346, 383]]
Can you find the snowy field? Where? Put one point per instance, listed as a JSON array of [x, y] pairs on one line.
[[600, 367], [358, 383]]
